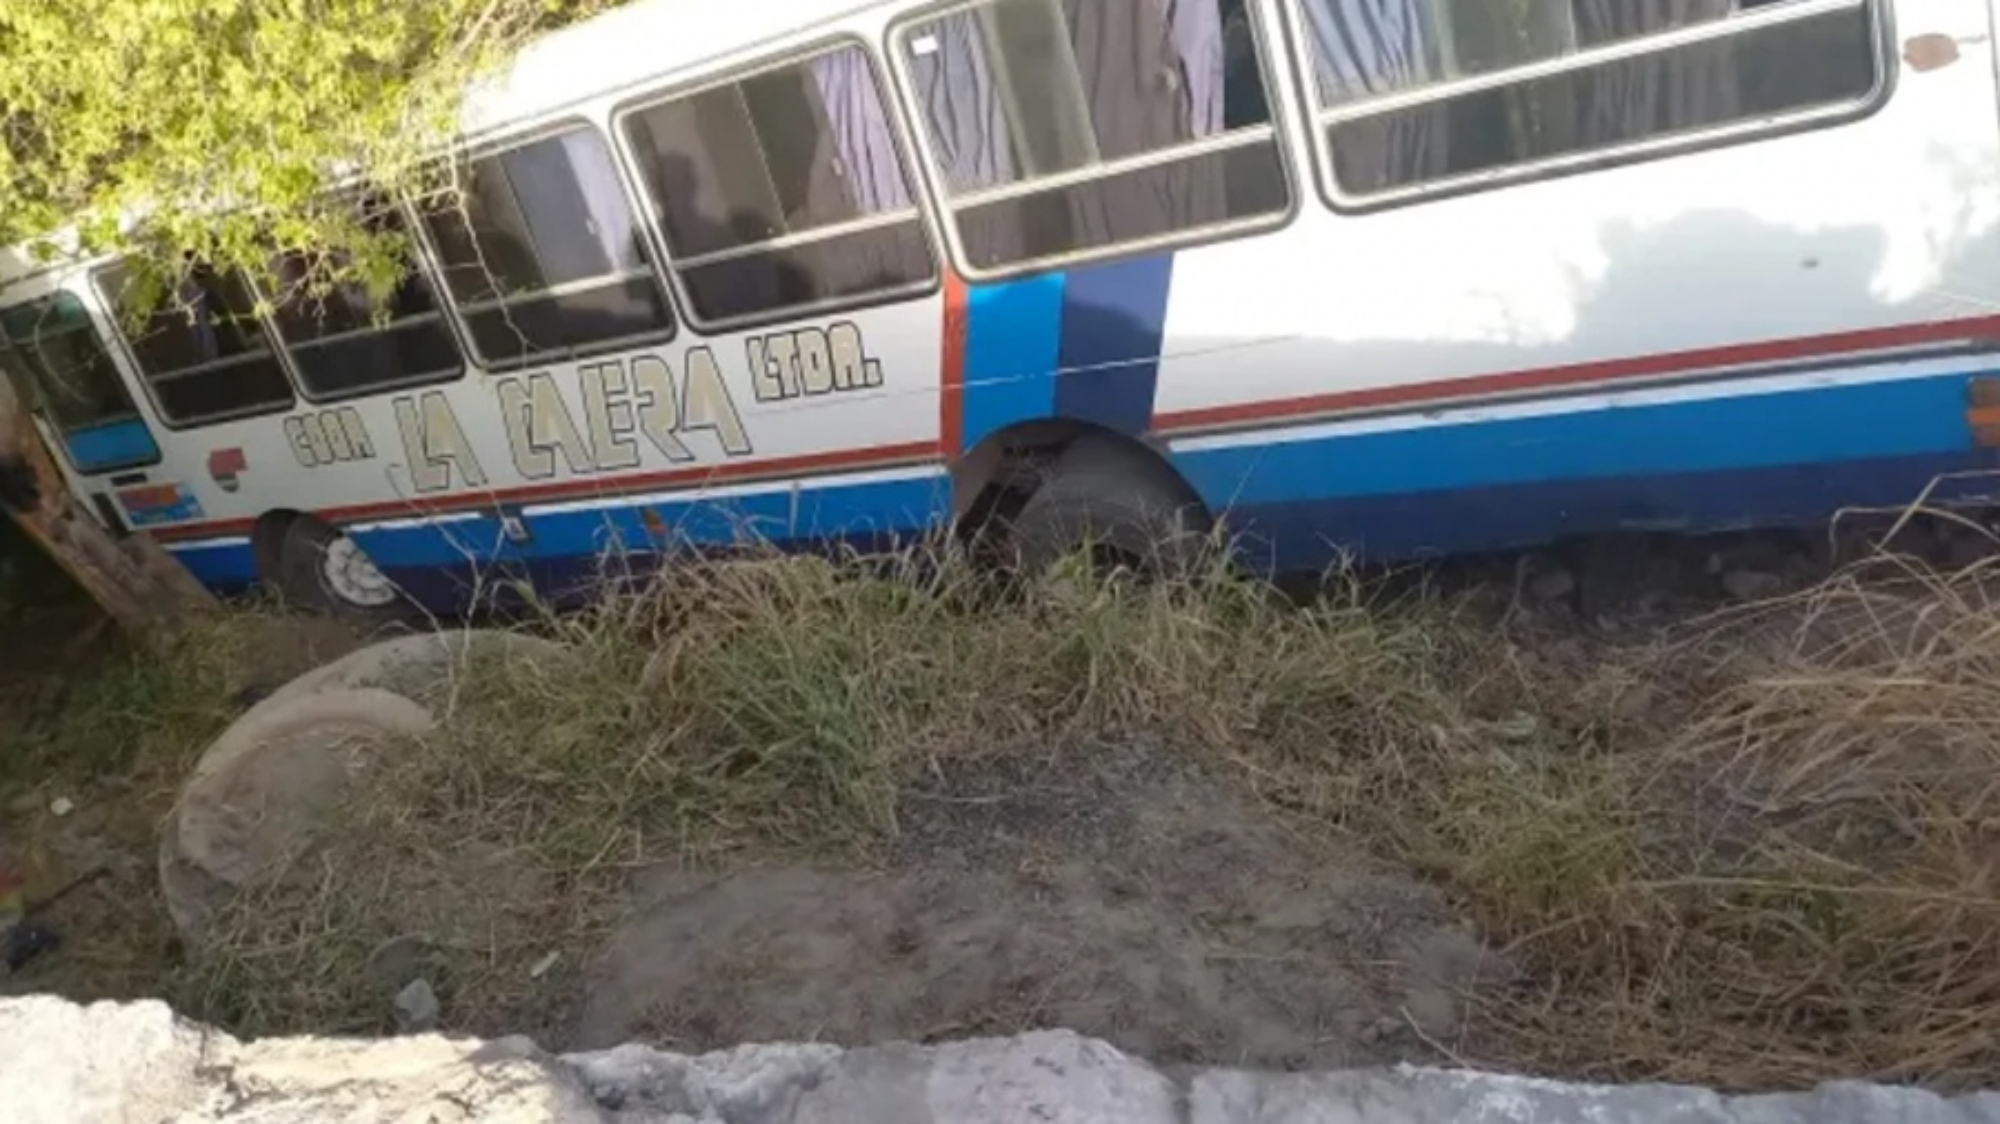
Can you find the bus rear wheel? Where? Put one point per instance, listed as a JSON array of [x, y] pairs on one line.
[[323, 570], [1121, 503]]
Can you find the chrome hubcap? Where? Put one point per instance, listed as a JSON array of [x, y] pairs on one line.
[[353, 577]]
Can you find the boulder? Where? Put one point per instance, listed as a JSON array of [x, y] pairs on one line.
[[268, 786]]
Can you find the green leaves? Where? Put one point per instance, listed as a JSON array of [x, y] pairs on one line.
[[164, 128]]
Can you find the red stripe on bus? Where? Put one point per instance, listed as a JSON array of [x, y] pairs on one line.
[[1578, 374], [215, 528], [951, 404]]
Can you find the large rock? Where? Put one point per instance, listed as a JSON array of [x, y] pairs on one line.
[[1049, 1077], [105, 1064], [138, 1064], [263, 791], [419, 667], [1408, 1095], [400, 1081]]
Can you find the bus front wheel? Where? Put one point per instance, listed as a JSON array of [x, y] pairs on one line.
[[323, 570]]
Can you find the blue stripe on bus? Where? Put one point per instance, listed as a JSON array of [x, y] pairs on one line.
[[1706, 464], [118, 444], [1013, 341], [779, 516], [1857, 421], [225, 567], [458, 542], [444, 564], [1113, 325], [1694, 465], [1409, 526]]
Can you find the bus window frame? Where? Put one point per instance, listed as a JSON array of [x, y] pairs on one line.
[[1321, 120], [38, 408], [652, 214], [492, 146], [165, 420], [1276, 132], [423, 263]]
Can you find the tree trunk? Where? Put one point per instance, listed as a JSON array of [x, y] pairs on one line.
[[139, 586]]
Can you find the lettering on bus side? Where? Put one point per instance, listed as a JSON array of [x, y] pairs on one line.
[[434, 443], [811, 361], [329, 437], [625, 403]]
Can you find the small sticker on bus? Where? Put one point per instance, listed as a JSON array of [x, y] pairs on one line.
[[159, 503], [924, 45], [226, 467]]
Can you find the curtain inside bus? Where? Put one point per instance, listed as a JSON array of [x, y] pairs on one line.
[[1366, 48], [1016, 90], [799, 155], [1615, 103]]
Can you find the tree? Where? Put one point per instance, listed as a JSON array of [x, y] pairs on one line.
[[215, 127], [175, 131]]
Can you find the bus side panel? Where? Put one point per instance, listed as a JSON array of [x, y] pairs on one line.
[[1751, 334], [827, 428], [533, 475]]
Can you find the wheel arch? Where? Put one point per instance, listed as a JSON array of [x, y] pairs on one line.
[[1007, 465]]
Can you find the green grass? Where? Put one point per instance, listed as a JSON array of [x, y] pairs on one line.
[[140, 704], [110, 728], [1757, 853], [780, 708]]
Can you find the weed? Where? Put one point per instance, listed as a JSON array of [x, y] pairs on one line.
[[1758, 852], [145, 703], [122, 730], [781, 707]]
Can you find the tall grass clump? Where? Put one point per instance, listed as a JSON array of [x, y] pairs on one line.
[[1758, 852], [776, 708], [1838, 860], [1762, 852]]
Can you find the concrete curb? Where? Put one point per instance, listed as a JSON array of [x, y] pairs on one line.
[[138, 1063]]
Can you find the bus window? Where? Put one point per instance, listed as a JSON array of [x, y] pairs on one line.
[[542, 256], [1071, 130], [49, 349], [1589, 80], [344, 344], [201, 351], [783, 190]]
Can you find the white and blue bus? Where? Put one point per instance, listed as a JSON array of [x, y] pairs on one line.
[[1390, 278]]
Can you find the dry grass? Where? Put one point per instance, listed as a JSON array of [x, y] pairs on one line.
[[1818, 820], [1760, 853], [779, 708]]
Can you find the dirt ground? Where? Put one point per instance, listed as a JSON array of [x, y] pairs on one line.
[[1125, 892], [1118, 892], [1192, 906], [94, 738]]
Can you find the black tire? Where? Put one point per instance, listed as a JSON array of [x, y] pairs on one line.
[[1119, 499], [299, 574]]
